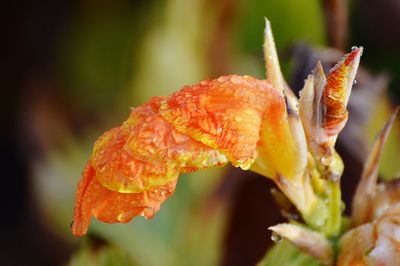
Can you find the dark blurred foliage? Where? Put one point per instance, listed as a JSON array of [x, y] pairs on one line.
[[68, 69], [34, 31], [376, 25], [29, 44]]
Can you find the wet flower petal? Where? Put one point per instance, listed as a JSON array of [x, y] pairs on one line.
[[92, 198], [132, 164], [224, 114], [146, 151]]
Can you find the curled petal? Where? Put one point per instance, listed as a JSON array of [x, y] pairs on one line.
[[146, 151], [197, 127], [109, 206], [132, 164], [224, 114]]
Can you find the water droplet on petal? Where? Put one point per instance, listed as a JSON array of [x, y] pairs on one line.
[[239, 119], [239, 93], [204, 82], [235, 80], [277, 238], [354, 82], [221, 79], [354, 48], [191, 107], [325, 161], [252, 98]]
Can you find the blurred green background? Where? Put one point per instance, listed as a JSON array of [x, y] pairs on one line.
[[73, 69]]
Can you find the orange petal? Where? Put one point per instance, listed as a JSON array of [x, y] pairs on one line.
[[82, 213], [146, 151], [135, 167], [323, 103], [224, 114], [111, 207], [154, 139], [337, 91]]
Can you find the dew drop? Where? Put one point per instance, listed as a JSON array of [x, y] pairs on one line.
[[239, 93], [221, 79], [355, 82], [239, 119], [191, 107], [204, 82], [252, 99], [235, 80], [354, 48], [277, 238], [325, 161]]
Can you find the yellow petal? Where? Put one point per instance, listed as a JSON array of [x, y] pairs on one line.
[[282, 148]]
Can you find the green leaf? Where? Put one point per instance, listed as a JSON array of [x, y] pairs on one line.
[[286, 254]]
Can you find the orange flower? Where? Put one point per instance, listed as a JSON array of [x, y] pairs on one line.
[[135, 167], [254, 124]]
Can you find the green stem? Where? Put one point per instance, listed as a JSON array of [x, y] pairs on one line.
[[334, 222]]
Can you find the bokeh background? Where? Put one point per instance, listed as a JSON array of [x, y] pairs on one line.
[[72, 69]]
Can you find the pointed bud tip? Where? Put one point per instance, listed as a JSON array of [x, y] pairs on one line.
[[267, 30], [386, 129], [319, 65], [354, 55], [267, 23], [318, 71]]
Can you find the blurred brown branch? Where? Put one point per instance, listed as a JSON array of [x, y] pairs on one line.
[[336, 22]]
